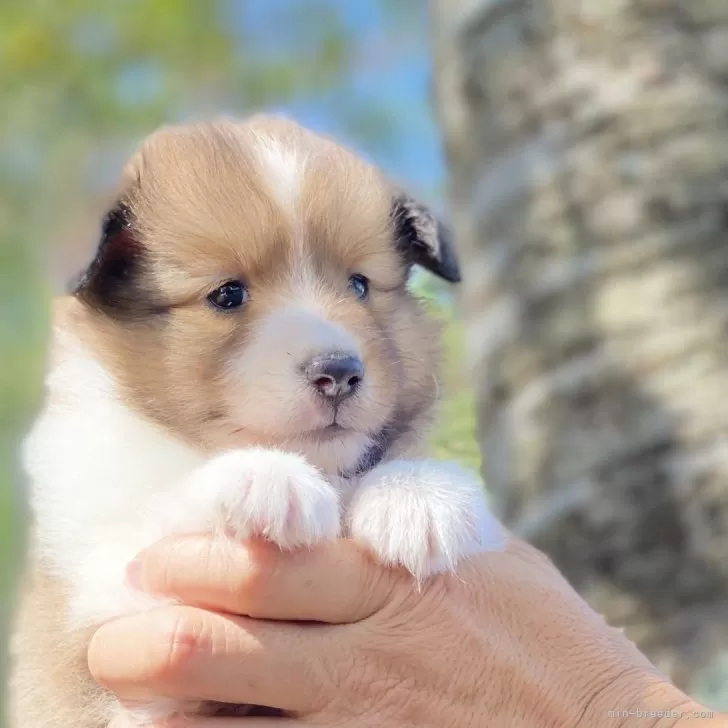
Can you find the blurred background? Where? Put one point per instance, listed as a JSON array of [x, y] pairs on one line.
[[579, 150]]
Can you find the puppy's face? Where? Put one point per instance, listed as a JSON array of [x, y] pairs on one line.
[[250, 288]]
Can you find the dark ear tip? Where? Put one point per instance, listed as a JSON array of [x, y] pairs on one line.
[[116, 220], [424, 239], [452, 276], [449, 268], [104, 281]]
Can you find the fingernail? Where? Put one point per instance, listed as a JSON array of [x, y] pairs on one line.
[[134, 574]]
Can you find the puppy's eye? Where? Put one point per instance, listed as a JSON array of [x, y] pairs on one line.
[[232, 294], [360, 285]]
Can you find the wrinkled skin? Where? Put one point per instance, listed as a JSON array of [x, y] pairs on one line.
[[505, 642]]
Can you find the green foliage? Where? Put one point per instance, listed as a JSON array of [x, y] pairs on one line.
[[454, 436], [22, 334]]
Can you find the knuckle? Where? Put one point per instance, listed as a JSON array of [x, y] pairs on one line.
[[372, 586], [185, 636], [164, 645], [376, 588], [255, 581]]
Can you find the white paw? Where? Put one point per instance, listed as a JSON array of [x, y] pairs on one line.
[[262, 492], [167, 711], [423, 515], [153, 713]]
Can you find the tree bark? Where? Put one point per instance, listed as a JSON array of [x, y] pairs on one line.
[[588, 147]]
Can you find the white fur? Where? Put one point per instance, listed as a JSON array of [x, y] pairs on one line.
[[283, 167], [424, 515], [107, 483]]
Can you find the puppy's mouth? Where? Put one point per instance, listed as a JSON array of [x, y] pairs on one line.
[[370, 457], [378, 444]]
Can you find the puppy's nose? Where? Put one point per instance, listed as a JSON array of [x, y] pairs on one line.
[[335, 375]]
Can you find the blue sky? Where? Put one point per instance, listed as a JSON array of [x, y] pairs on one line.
[[389, 70], [392, 70]]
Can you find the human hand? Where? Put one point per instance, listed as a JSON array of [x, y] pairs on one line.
[[504, 642]]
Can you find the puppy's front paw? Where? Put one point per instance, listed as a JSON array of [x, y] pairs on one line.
[[423, 515], [268, 493], [153, 713]]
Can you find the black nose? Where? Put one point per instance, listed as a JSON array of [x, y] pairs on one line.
[[335, 375]]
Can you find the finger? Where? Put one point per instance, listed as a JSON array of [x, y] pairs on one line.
[[192, 654], [245, 723], [335, 582], [224, 723]]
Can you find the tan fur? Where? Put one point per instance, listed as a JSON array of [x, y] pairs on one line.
[[50, 677], [207, 212]]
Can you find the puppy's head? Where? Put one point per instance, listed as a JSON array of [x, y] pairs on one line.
[[250, 288]]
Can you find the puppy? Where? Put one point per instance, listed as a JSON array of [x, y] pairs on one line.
[[242, 356]]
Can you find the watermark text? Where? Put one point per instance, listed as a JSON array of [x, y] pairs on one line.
[[684, 715]]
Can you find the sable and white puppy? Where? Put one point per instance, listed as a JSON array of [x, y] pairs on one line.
[[242, 356]]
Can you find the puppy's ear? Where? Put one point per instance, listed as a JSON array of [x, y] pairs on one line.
[[108, 283], [423, 239]]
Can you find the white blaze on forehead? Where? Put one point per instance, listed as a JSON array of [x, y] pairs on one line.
[[305, 281], [282, 167]]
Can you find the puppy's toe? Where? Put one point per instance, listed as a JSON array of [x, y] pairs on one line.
[[425, 516], [273, 494], [152, 713]]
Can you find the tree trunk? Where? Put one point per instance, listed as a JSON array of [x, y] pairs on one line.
[[588, 145]]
